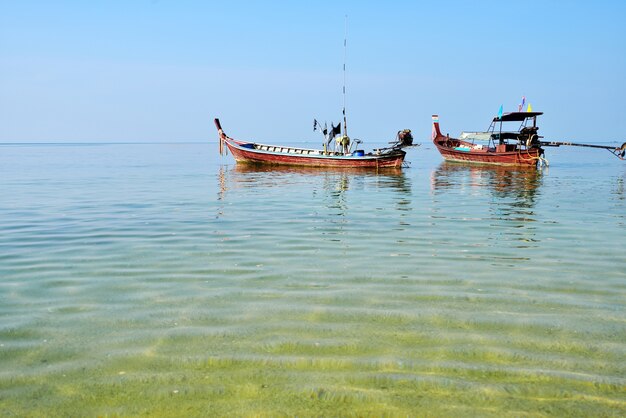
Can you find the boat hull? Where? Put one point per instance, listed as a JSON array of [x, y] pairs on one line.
[[247, 155], [506, 154], [516, 157]]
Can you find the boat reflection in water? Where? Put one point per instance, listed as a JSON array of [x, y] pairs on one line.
[[520, 183], [338, 179], [298, 185], [499, 200]]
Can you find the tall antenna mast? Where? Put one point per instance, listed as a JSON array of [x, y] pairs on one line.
[[345, 46]]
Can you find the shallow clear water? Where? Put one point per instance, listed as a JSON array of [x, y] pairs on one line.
[[165, 280]]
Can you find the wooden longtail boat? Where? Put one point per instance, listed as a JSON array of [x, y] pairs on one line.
[[520, 147], [341, 155], [256, 153], [503, 148]]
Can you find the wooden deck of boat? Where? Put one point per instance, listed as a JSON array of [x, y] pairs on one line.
[[294, 150], [286, 150]]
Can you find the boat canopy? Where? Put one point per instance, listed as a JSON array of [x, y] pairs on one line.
[[516, 116], [475, 136]]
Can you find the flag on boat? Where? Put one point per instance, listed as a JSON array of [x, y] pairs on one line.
[[521, 106], [336, 130], [500, 112], [530, 108]]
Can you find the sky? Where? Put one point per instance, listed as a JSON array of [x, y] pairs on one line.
[[161, 70]]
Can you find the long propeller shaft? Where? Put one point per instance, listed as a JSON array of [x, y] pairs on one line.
[[619, 152]]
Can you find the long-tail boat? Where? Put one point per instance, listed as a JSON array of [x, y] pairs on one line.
[[518, 147], [343, 154]]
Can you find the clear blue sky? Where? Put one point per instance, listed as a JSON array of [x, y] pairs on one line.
[[161, 70]]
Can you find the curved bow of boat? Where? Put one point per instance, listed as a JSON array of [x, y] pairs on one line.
[[436, 130], [222, 137]]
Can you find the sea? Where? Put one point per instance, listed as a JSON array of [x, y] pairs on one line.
[[162, 279]]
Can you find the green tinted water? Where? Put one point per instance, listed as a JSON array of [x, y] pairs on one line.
[[158, 280]]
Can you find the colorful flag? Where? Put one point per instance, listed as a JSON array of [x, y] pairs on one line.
[[521, 106], [530, 108], [500, 112]]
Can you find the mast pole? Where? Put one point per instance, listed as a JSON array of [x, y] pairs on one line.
[[345, 42]]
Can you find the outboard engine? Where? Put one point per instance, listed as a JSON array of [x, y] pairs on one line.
[[405, 138], [528, 136]]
